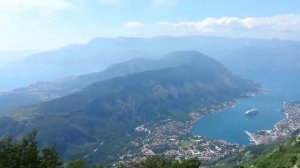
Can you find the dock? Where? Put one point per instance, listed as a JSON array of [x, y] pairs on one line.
[[252, 138]]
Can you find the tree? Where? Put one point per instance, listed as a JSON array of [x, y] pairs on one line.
[[24, 153], [162, 162], [49, 158], [156, 162], [190, 163], [77, 164], [81, 164]]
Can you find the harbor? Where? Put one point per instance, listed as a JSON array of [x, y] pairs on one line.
[[282, 129], [230, 125], [252, 138]]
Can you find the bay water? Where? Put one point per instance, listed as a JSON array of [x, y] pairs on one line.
[[231, 124]]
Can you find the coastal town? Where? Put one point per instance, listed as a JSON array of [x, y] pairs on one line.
[[282, 129], [174, 139]]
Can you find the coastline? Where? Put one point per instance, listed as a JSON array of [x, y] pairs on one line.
[[282, 129], [174, 139]]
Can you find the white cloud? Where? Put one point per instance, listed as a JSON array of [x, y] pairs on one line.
[[286, 26], [279, 23], [134, 24]]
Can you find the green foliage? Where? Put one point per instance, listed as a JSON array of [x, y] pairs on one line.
[[24, 153], [284, 156], [49, 158], [162, 162], [155, 162], [191, 163], [77, 164], [246, 156], [82, 164]]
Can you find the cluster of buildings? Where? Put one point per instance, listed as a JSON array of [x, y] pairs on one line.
[[283, 128], [174, 139]]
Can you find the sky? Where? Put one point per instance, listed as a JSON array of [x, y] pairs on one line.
[[50, 24]]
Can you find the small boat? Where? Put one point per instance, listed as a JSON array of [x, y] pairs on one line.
[[251, 112]]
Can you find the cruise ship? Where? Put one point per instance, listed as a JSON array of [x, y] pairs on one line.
[[251, 112]]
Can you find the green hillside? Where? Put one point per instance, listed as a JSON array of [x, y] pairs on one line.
[[45, 91], [279, 154], [283, 156], [107, 112], [248, 155]]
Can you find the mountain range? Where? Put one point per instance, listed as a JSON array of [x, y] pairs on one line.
[[108, 111], [238, 54], [45, 91]]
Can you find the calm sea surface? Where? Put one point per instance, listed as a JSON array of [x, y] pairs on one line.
[[230, 124]]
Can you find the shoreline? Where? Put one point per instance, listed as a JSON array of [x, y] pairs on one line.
[[172, 136], [282, 129], [175, 139]]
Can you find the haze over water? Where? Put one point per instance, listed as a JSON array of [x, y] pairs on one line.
[[230, 124]]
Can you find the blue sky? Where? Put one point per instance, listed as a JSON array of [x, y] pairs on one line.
[[49, 24]]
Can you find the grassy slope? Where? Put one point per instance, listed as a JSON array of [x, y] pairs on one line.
[[284, 156], [247, 156]]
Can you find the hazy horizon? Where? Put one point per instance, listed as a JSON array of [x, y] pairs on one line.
[[51, 24]]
